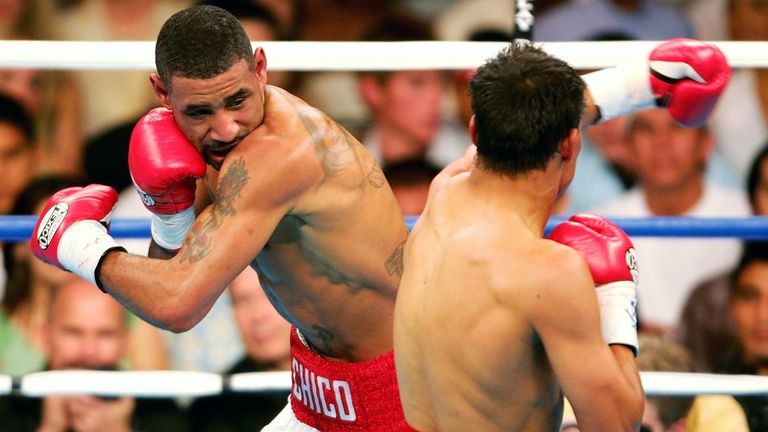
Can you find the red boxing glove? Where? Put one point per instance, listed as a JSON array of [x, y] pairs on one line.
[[611, 258], [164, 167], [684, 75], [687, 77], [72, 232]]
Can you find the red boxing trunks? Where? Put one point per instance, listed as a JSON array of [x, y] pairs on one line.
[[335, 396]]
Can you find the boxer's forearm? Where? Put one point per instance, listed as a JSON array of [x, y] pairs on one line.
[[625, 358], [157, 291]]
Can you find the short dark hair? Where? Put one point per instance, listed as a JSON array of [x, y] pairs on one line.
[[755, 173], [525, 102], [12, 112], [753, 251], [410, 172], [201, 42]]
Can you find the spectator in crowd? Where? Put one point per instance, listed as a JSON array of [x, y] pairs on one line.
[[86, 329], [474, 21], [111, 20], [706, 328], [757, 182], [265, 336], [576, 20], [706, 413], [17, 157], [607, 168], [30, 285], [748, 309], [410, 180], [51, 99], [740, 120], [23, 18], [17, 151], [671, 162], [461, 78], [335, 92], [406, 106], [710, 413]]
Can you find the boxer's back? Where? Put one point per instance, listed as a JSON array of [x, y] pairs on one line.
[[469, 279]]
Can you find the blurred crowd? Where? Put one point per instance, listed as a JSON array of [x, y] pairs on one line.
[[703, 303]]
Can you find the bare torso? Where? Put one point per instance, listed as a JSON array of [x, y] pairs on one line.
[[333, 262], [471, 269]]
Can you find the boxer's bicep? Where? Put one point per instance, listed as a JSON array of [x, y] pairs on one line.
[[230, 232], [225, 238]]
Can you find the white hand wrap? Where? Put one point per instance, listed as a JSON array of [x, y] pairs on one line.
[[621, 89], [82, 246], [618, 315], [169, 231]]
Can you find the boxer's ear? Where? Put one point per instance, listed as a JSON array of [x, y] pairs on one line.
[[570, 145], [473, 129], [260, 59], [161, 92]]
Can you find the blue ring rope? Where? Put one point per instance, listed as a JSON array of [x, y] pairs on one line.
[[19, 228]]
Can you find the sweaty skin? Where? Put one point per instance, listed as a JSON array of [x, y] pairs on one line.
[[492, 320], [471, 288], [305, 204]]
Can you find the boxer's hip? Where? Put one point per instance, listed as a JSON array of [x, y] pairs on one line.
[[335, 396]]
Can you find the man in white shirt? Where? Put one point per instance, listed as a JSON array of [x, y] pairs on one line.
[[671, 163]]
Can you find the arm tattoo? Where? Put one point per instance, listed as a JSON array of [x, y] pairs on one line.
[[198, 242], [394, 263]]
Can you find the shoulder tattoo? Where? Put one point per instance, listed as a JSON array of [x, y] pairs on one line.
[[332, 148]]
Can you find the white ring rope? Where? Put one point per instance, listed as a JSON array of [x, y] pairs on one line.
[[689, 384], [109, 383], [6, 384], [186, 383], [260, 381], [348, 56], [333, 56]]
